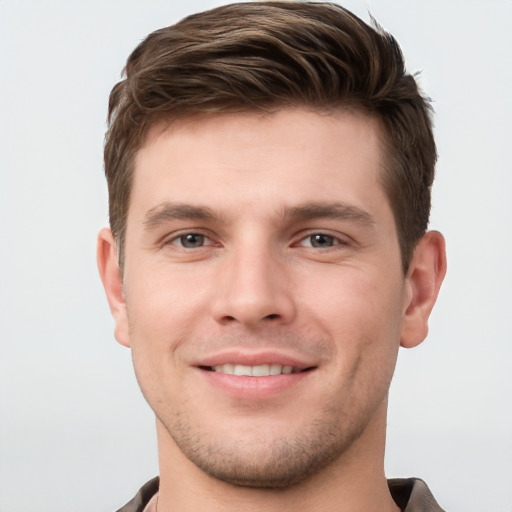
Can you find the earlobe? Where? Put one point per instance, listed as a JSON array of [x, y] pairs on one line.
[[112, 280], [424, 278]]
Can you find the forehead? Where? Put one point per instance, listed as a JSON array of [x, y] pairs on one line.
[[290, 156]]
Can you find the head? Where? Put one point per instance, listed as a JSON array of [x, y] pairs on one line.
[[263, 57], [269, 168]]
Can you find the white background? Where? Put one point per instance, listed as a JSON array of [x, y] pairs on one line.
[[75, 432]]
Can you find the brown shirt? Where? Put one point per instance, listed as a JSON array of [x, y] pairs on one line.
[[410, 494]]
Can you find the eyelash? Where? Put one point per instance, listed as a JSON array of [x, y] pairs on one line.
[[180, 238], [335, 240], [318, 238], [205, 241]]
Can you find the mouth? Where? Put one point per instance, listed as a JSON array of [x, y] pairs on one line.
[[260, 370], [261, 375]]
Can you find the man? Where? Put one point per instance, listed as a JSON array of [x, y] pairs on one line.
[[269, 168]]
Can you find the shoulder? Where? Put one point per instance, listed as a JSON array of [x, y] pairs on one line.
[[413, 495], [142, 498]]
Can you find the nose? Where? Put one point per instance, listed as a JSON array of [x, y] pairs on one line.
[[253, 288]]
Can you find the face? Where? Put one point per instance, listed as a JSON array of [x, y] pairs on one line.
[[263, 293]]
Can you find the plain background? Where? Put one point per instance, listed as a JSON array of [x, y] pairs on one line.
[[75, 432]]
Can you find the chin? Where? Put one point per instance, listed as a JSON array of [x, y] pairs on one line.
[[266, 462]]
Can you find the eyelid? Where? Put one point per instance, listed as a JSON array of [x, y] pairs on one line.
[[340, 239], [171, 238]]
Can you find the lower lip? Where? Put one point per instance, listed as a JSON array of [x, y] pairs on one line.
[[254, 387]]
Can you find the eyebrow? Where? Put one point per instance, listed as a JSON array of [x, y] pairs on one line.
[[168, 211], [175, 211], [336, 211]]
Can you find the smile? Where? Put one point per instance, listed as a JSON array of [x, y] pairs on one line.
[[260, 370], [256, 379]]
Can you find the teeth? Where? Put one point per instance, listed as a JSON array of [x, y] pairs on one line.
[[242, 370], [275, 369], [261, 370]]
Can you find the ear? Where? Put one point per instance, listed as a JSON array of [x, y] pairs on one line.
[[424, 278], [113, 283]]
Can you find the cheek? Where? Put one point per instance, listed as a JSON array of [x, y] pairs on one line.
[[162, 304], [157, 310], [360, 313]]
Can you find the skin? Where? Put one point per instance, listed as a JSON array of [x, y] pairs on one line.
[[292, 254]]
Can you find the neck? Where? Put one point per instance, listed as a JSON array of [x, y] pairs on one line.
[[354, 482]]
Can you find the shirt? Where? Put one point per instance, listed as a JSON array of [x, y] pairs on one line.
[[410, 494]]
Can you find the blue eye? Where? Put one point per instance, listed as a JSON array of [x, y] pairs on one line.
[[320, 240], [191, 240]]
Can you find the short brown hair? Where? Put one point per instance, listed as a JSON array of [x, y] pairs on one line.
[[263, 56]]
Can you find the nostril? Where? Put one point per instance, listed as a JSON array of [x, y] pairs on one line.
[[273, 316]]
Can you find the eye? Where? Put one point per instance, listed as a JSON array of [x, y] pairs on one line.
[[191, 241], [320, 241]]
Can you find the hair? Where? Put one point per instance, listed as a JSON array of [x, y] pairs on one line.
[[265, 56]]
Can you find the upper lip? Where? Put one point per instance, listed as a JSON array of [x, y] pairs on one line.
[[248, 358]]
